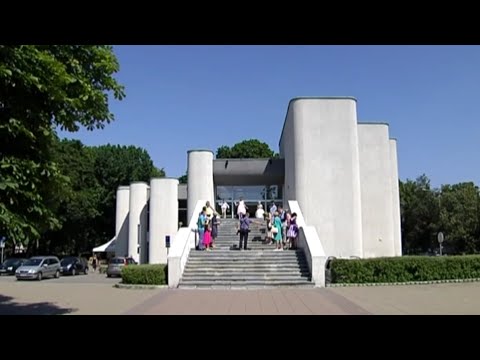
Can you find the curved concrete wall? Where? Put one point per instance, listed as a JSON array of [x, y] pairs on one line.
[[397, 231], [121, 220], [200, 178], [137, 222], [163, 217], [376, 186], [320, 146]]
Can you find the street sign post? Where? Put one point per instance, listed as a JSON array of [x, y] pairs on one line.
[[440, 239], [167, 242], [2, 245]]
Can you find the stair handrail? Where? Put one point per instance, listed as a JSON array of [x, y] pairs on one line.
[[182, 243], [309, 241]]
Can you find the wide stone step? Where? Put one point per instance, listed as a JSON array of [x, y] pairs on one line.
[[245, 283], [256, 274], [236, 239], [247, 254], [229, 262], [273, 258], [237, 259], [216, 279], [245, 264], [246, 267]]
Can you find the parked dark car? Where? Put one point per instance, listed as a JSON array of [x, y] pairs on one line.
[[116, 265], [10, 265], [72, 265]]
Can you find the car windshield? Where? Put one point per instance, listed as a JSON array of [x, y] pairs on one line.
[[10, 262], [67, 261], [33, 262], [117, 261]]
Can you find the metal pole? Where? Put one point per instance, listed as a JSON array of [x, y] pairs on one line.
[[2, 254], [441, 249]]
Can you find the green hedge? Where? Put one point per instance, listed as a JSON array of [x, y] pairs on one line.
[[145, 274], [405, 268]]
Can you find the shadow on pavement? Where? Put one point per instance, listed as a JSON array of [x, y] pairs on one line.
[[9, 307]]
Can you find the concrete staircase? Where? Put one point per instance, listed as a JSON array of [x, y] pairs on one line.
[[259, 266]]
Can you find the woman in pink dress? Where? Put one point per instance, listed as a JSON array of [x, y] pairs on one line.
[[207, 237]]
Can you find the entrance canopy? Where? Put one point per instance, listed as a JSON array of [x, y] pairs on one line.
[[107, 247], [248, 171]]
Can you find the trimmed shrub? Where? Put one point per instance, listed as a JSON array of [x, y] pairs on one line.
[[145, 274], [405, 269]]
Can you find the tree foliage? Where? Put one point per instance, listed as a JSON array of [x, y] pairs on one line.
[[43, 87], [247, 149], [459, 216], [183, 179], [452, 209], [88, 203]]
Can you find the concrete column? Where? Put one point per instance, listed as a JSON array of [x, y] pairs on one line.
[[397, 231], [200, 179], [121, 220], [163, 215], [320, 145], [376, 186], [137, 222]]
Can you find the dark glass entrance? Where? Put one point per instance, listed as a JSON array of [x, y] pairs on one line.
[[251, 194]]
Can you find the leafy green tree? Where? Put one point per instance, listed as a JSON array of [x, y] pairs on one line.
[[114, 166], [43, 87], [459, 216], [223, 152], [88, 199], [183, 179], [419, 215], [79, 201], [247, 149]]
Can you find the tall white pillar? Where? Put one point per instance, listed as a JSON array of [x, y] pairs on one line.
[[121, 220], [376, 187], [163, 215], [137, 222], [322, 171], [200, 179], [397, 231]]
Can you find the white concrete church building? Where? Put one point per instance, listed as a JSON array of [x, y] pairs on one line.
[[339, 175]]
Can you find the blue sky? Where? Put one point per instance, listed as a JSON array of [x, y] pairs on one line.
[[187, 97]]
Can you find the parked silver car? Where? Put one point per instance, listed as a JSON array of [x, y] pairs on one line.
[[116, 265], [39, 267]]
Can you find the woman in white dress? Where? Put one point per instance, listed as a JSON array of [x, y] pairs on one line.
[[241, 208]]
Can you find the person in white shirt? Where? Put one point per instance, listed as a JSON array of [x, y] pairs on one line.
[[241, 208], [224, 207], [260, 212]]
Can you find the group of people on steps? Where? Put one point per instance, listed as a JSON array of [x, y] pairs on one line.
[[281, 225]]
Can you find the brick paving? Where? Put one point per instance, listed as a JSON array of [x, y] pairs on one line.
[[95, 295]]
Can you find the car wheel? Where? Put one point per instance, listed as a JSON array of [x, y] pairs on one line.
[[74, 272], [57, 274], [85, 271], [39, 276], [108, 275]]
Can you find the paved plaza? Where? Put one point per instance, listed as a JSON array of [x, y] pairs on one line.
[[95, 294]]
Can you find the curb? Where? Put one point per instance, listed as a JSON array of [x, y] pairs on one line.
[[408, 283], [140, 287]]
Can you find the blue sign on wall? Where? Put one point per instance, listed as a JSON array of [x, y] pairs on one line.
[[167, 241]]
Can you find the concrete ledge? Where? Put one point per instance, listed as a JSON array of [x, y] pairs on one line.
[[140, 287], [409, 283]]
